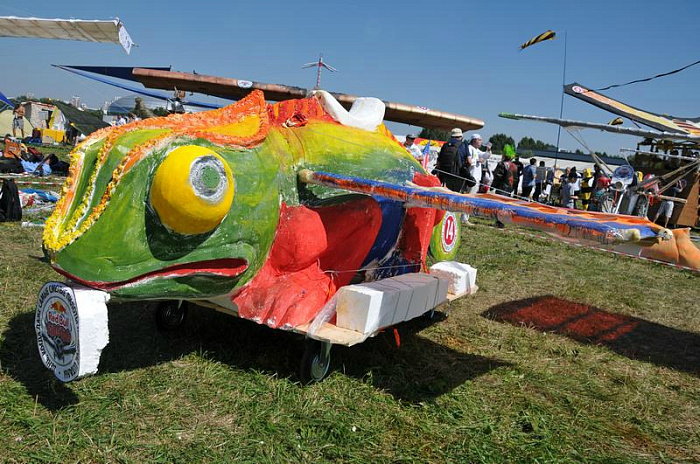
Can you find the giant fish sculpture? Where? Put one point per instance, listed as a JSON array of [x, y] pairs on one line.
[[204, 205], [268, 209]]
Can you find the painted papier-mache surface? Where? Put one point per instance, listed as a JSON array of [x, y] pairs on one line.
[[252, 206], [189, 207]]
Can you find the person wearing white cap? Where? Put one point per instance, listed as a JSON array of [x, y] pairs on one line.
[[474, 158], [410, 145]]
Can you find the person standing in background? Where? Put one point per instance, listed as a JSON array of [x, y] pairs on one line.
[[18, 120], [518, 174], [529, 173], [540, 180], [586, 189], [568, 189], [448, 162], [504, 173], [666, 207], [410, 146], [473, 159]]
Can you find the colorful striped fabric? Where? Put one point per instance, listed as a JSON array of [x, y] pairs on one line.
[[549, 35]]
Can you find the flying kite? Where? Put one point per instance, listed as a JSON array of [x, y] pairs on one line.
[[549, 35]]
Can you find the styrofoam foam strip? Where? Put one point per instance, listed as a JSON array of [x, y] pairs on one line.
[[371, 306], [461, 277]]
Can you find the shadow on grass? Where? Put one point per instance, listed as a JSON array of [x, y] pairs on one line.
[[19, 357], [629, 336], [416, 371], [419, 370]]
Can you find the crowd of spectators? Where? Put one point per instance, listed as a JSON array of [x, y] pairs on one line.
[[463, 167]]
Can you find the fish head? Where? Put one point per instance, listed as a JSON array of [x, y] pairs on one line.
[[184, 206]]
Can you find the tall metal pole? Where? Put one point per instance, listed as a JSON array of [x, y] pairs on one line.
[[561, 106], [318, 72]]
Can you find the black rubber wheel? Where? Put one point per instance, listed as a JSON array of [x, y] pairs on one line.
[[316, 361], [170, 315]]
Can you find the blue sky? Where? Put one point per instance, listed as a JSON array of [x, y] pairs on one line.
[[457, 56]]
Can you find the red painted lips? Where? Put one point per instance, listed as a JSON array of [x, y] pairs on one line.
[[231, 267]]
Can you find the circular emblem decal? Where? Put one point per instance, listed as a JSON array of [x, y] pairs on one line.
[[578, 89], [244, 84], [56, 325], [449, 232]]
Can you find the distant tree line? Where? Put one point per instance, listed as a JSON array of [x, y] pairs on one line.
[[435, 134]]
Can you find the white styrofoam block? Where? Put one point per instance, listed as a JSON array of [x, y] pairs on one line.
[[94, 328], [371, 306], [426, 294], [461, 277], [71, 328], [442, 290], [358, 308], [398, 295]]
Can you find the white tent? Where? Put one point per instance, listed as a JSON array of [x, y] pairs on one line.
[[6, 117]]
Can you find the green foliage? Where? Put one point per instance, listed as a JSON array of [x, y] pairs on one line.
[[160, 111], [140, 109], [498, 141], [25, 98], [435, 134], [95, 113], [22, 98], [528, 143]]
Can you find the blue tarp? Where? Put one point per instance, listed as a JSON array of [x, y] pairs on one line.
[[6, 100], [45, 196], [30, 167]]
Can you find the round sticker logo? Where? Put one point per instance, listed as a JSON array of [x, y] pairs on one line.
[[244, 84], [578, 89], [56, 325], [449, 232]]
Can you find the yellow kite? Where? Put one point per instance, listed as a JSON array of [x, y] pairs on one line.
[[549, 35]]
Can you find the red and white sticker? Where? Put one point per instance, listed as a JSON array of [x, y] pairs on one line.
[[578, 89], [56, 325], [448, 234]]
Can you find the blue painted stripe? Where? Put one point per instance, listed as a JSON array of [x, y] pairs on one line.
[[560, 221]]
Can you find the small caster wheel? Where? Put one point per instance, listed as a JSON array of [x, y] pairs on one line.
[[316, 361], [170, 315]]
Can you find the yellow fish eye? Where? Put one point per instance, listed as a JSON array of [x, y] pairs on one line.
[[192, 190]]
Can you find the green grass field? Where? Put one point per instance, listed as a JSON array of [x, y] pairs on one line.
[[564, 355]]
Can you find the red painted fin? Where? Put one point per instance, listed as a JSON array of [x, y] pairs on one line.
[[316, 250]]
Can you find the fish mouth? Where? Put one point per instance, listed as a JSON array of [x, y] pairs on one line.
[[230, 267]]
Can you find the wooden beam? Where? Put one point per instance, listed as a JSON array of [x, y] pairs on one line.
[[235, 89]]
